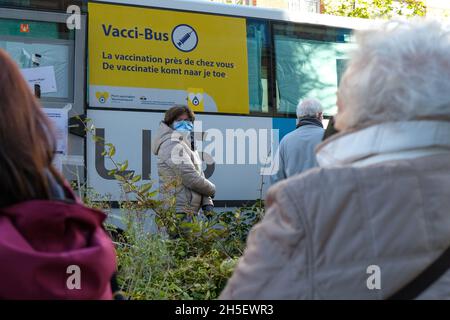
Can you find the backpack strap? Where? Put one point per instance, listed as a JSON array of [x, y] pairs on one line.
[[425, 279]]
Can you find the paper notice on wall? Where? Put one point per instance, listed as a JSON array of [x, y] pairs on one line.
[[43, 76], [59, 117]]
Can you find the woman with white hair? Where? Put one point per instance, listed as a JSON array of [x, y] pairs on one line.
[[372, 222]]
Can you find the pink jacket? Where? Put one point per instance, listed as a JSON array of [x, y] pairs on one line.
[[39, 242], [380, 200]]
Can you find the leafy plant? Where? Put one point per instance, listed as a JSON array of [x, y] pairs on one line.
[[372, 9]]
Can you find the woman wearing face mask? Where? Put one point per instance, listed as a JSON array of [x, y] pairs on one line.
[[179, 165]]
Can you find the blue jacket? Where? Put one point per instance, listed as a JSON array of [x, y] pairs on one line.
[[296, 152]]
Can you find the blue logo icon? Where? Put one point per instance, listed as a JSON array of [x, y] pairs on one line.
[[184, 38]]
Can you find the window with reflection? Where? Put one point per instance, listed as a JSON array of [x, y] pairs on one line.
[[258, 65], [34, 44], [309, 63]]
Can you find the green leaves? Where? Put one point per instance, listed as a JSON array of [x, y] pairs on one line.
[[123, 166], [195, 265], [97, 139], [120, 178], [375, 9], [145, 187], [111, 152], [136, 179]]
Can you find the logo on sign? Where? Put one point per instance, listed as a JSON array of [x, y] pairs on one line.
[[184, 38], [195, 99], [24, 27], [102, 97]]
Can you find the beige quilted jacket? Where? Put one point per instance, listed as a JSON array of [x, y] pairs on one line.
[[380, 198], [180, 172]]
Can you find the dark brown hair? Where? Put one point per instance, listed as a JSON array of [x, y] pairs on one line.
[[27, 140], [173, 113]]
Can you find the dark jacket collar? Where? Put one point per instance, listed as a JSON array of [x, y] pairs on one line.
[[304, 121]]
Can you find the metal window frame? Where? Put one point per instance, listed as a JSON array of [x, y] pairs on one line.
[[270, 110]]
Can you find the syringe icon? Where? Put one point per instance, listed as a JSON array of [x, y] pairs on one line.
[[184, 38]]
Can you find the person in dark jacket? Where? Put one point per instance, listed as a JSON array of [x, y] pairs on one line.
[[51, 245]]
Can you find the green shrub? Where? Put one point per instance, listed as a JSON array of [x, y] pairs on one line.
[[194, 266]]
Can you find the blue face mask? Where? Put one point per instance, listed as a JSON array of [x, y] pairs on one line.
[[183, 126]]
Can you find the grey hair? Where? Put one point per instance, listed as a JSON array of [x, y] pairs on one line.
[[308, 107], [400, 71]]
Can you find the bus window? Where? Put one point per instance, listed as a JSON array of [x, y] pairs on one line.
[[42, 44], [258, 65], [309, 63]]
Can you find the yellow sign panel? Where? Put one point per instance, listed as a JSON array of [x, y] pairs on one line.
[[149, 58]]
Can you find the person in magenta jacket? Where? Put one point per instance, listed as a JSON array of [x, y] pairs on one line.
[[51, 245]]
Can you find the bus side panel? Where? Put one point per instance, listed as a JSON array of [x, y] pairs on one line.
[[240, 146]]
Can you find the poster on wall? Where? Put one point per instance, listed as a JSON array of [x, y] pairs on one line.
[[60, 120], [153, 59], [42, 76]]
